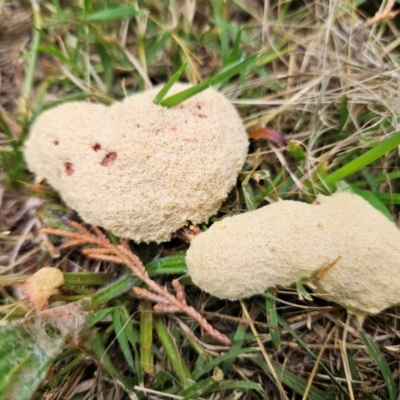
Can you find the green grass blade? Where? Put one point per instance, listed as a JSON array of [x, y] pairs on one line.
[[282, 322], [115, 289], [121, 12], [133, 337], [369, 178], [199, 389], [219, 8], [248, 196], [235, 52], [380, 178], [119, 328], [172, 352], [54, 215], [180, 97], [272, 318], [223, 76], [239, 385], [94, 346], [385, 177], [381, 363], [87, 278], [360, 162], [146, 337], [158, 46], [31, 65], [53, 51], [168, 265], [168, 85], [217, 360], [131, 333], [99, 315], [293, 381], [297, 152], [107, 63], [69, 368], [388, 198], [212, 384], [238, 341], [6, 129], [343, 113]]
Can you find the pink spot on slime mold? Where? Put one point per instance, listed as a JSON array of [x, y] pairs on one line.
[[69, 169], [109, 159]]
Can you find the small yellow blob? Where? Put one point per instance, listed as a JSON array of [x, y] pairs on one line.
[[41, 286]]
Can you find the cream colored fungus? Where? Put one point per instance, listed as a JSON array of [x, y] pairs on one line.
[[283, 242], [138, 169]]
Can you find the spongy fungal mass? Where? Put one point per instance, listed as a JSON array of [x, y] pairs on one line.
[[138, 169], [281, 243]]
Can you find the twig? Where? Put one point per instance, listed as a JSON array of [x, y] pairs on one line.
[[387, 13], [104, 250]]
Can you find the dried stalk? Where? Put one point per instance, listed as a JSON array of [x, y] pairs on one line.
[[106, 251], [386, 14]]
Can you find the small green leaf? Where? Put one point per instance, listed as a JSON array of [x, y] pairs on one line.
[[296, 151]]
